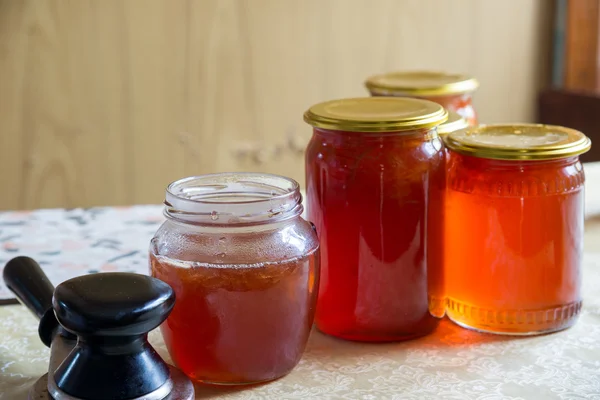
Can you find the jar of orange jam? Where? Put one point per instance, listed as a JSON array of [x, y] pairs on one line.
[[374, 175], [453, 91], [514, 228], [244, 266]]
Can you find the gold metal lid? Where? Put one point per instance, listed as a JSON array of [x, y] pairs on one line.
[[454, 123], [519, 142], [421, 83], [376, 114]]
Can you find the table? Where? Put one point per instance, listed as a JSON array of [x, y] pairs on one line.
[[452, 363]]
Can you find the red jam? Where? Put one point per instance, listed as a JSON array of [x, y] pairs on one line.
[[462, 104], [375, 198]]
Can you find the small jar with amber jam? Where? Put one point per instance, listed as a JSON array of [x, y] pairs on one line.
[[244, 266], [514, 228], [374, 173], [453, 91]]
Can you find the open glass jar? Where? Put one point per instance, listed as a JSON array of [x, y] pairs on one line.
[[453, 91], [514, 228], [374, 174], [244, 266]]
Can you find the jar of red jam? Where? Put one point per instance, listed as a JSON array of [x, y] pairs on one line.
[[244, 266], [374, 176], [453, 91], [514, 228]]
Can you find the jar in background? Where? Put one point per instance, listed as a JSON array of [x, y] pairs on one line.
[[374, 173], [514, 228], [453, 91], [244, 266]]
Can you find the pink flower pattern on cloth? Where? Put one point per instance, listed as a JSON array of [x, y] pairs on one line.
[[72, 242]]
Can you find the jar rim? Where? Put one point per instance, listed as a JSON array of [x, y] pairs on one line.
[[233, 198]]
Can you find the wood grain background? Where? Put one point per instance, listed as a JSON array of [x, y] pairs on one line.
[[104, 102]]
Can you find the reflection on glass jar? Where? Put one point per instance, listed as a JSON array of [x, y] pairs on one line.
[[514, 228], [453, 91], [245, 269], [374, 171], [455, 122]]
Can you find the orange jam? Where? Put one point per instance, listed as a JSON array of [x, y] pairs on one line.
[[452, 91], [374, 173], [514, 228]]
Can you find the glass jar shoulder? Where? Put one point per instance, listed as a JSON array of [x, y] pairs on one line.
[[509, 178], [272, 243], [352, 150]]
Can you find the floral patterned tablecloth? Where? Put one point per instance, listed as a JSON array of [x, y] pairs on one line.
[[68, 243], [451, 363]]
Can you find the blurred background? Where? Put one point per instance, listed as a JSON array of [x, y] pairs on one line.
[[104, 102]]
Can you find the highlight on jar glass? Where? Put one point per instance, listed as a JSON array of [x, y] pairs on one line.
[[514, 228], [453, 91], [455, 122], [244, 266], [374, 175]]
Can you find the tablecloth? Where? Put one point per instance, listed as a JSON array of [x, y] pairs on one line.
[[451, 363]]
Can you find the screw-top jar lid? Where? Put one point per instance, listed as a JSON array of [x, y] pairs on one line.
[[519, 142], [455, 122], [421, 83], [376, 114]]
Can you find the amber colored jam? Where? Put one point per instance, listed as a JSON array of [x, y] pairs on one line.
[[514, 234], [238, 324], [376, 202]]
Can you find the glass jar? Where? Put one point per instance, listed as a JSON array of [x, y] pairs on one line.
[[436, 258], [244, 266], [514, 228], [453, 91], [374, 174], [455, 122]]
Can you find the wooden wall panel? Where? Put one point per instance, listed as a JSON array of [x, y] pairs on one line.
[[581, 58], [104, 102]]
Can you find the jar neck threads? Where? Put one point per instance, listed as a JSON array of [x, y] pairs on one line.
[[233, 199]]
